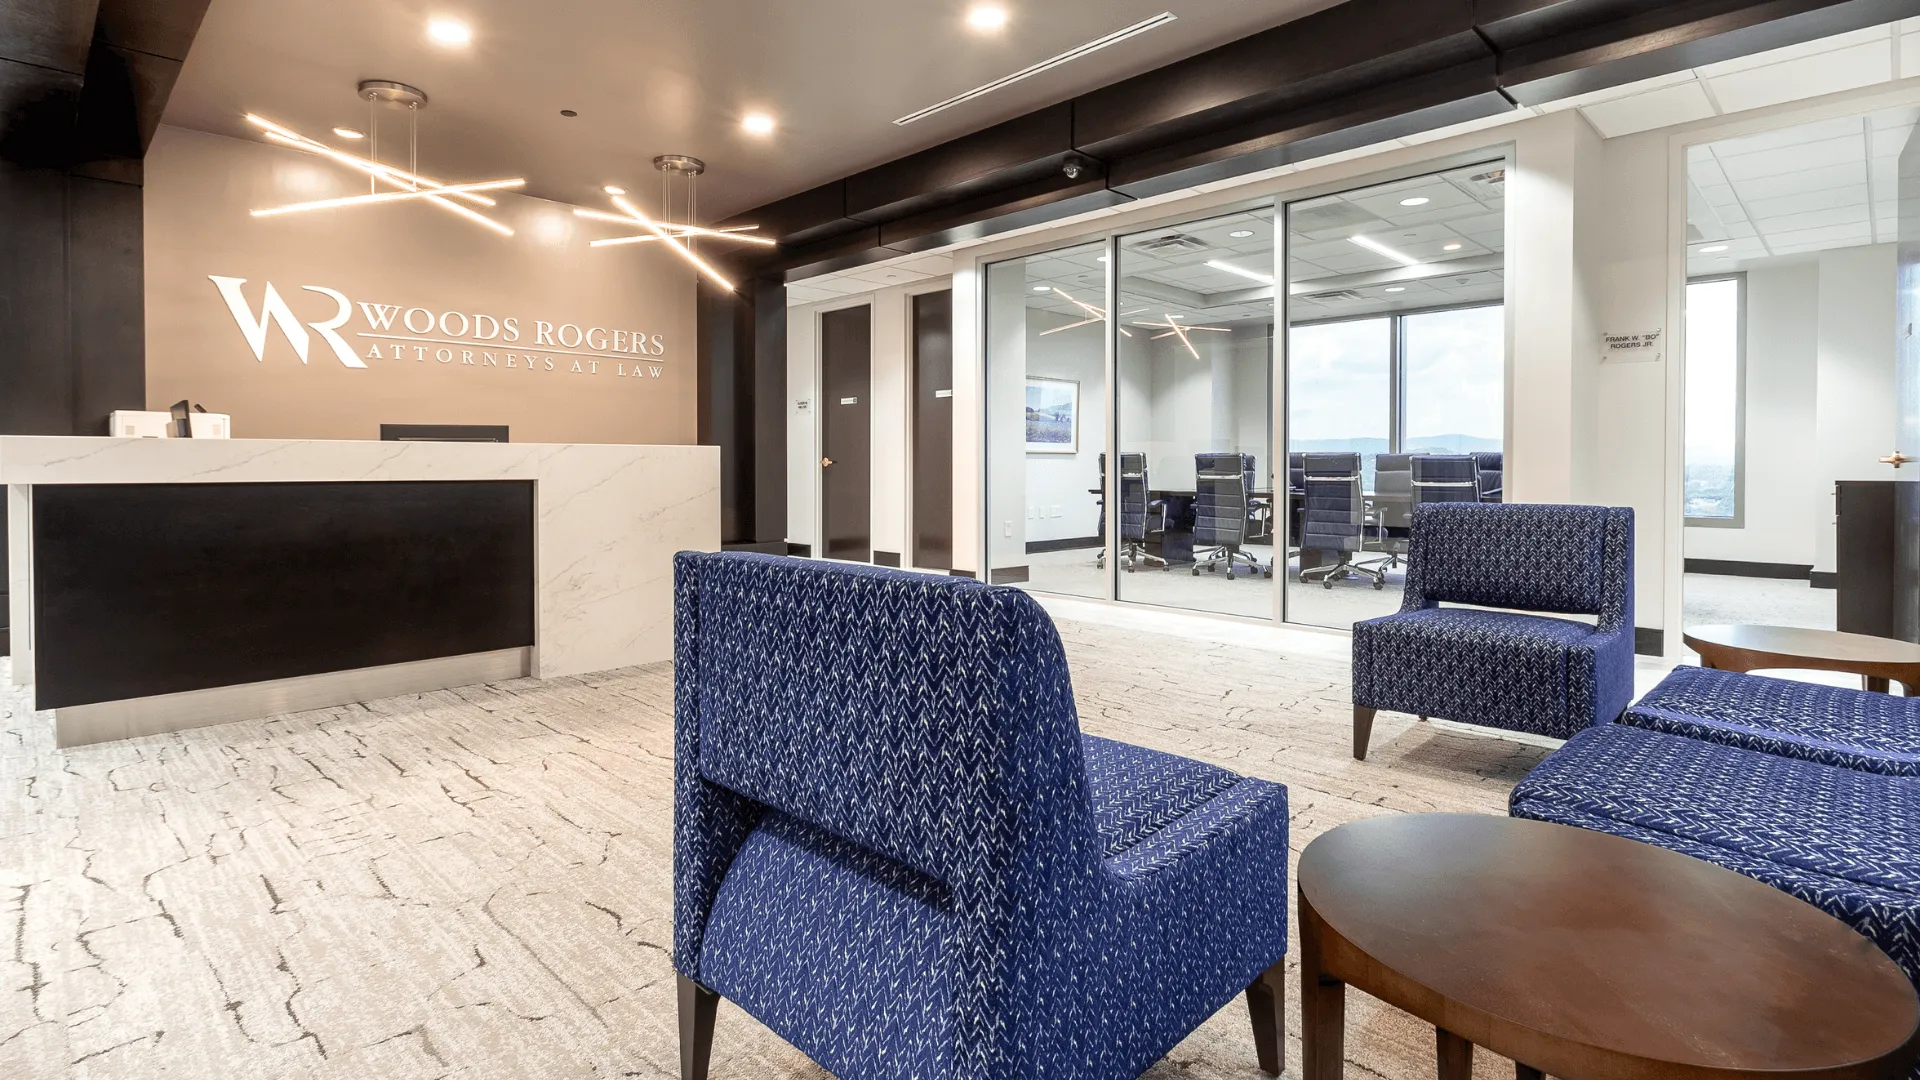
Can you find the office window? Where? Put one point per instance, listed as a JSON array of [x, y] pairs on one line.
[[1713, 395], [1454, 388], [1341, 380]]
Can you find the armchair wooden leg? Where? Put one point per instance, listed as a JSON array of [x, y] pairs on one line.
[[1362, 731], [698, 1005], [1267, 1001]]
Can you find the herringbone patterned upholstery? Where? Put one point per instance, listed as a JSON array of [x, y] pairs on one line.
[[1502, 669], [1833, 725], [893, 846], [1845, 841]]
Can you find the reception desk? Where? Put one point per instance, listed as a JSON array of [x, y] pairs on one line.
[[160, 584]]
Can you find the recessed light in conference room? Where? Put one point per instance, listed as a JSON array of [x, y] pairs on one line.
[[1450, 247], [1713, 249], [1417, 200], [1241, 234], [987, 18], [757, 123], [449, 31]]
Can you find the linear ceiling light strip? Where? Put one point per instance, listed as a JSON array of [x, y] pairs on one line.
[[1069, 56]]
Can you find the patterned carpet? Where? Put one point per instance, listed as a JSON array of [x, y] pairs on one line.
[[476, 883]]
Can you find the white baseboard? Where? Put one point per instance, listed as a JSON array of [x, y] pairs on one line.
[[79, 725]]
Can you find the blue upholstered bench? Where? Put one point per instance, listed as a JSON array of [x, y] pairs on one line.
[[894, 847], [1841, 839], [1832, 725]]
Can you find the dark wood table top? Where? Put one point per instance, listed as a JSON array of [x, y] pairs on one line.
[[1800, 643], [1757, 648], [1588, 955]]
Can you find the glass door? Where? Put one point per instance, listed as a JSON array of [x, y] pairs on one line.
[[1193, 348], [1395, 392], [1046, 438]]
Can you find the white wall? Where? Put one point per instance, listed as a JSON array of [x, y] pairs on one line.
[[1782, 501], [1854, 416], [1006, 400], [1623, 229], [1059, 505]]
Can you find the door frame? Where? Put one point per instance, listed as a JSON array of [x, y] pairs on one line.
[[1843, 105]]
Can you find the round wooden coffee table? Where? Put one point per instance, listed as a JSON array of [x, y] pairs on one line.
[[1752, 648], [1587, 956]]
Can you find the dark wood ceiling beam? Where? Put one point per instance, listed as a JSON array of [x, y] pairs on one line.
[[1348, 76]]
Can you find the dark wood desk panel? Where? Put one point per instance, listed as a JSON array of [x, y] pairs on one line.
[[145, 589]]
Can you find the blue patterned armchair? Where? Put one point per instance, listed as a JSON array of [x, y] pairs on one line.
[[1505, 669], [894, 848]]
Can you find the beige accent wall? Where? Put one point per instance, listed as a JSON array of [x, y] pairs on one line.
[[200, 190]]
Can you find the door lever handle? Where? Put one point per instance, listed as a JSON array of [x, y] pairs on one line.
[[825, 461], [1895, 459]]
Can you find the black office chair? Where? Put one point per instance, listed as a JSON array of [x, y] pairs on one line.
[[1393, 504], [1136, 510], [1335, 520], [1100, 500], [1222, 511], [1296, 496], [1445, 478], [1490, 470]]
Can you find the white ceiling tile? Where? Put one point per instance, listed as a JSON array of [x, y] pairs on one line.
[[1909, 53], [1808, 201], [1784, 224], [1872, 35], [1771, 187], [1805, 77], [1798, 157], [1612, 92], [1677, 104]]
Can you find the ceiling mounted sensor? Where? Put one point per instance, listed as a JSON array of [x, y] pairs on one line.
[[679, 175], [401, 185], [1048, 64]]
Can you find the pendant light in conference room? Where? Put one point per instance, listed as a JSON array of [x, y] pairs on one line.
[[400, 185], [679, 195]]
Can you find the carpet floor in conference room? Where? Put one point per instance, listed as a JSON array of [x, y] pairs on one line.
[[478, 882]]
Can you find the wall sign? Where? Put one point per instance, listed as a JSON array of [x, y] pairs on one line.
[[1643, 347], [362, 333]]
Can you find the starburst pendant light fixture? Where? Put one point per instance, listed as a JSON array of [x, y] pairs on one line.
[[1175, 328], [678, 194], [404, 185]]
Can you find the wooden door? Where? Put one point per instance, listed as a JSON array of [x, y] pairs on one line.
[[933, 430], [846, 420]]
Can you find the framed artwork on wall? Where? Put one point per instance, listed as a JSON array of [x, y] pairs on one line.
[[1053, 416]]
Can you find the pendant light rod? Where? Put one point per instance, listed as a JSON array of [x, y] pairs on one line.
[[685, 252]]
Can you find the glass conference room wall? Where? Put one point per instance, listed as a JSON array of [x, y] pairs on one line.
[[1194, 365], [1046, 433], [1396, 367]]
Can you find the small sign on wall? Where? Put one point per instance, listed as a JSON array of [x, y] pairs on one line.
[[1643, 347]]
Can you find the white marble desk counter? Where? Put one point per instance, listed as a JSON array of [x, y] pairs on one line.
[[608, 519]]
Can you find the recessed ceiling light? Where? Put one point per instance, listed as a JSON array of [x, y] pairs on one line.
[[1713, 249], [987, 18], [1395, 288], [1041, 288], [1417, 200], [757, 123], [611, 190], [1241, 234], [1450, 247], [349, 133], [448, 31]]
